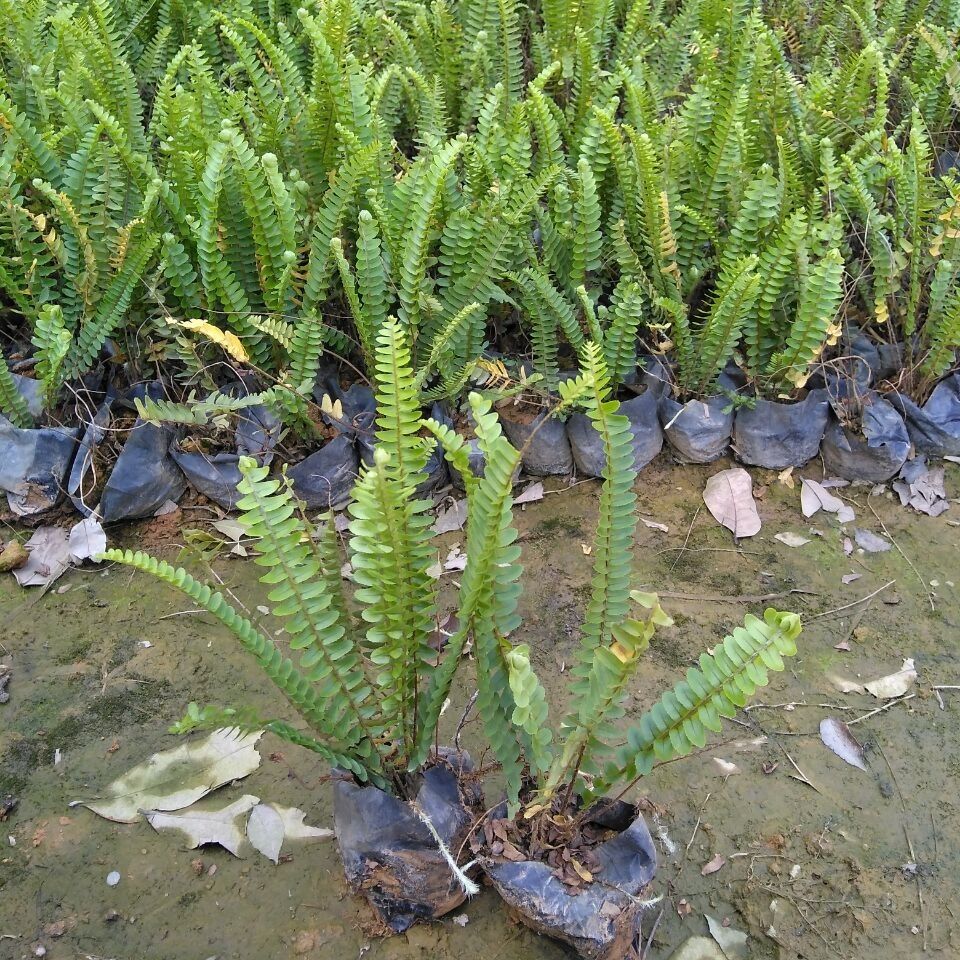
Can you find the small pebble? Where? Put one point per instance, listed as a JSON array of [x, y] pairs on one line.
[[113, 878], [110, 916]]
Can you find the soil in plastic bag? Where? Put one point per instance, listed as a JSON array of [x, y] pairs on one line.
[[216, 475], [548, 453], [600, 919], [934, 428], [388, 853], [647, 435], [875, 453], [779, 435], [34, 465], [81, 490], [697, 431], [325, 478]]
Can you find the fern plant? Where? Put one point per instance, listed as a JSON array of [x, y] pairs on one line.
[[618, 626]]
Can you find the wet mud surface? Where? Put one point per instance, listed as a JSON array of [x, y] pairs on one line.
[[848, 864]]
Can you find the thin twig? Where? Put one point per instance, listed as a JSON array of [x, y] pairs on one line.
[[905, 557], [801, 776], [886, 706], [461, 723], [178, 613], [696, 827], [740, 598], [853, 603], [656, 923], [686, 540]]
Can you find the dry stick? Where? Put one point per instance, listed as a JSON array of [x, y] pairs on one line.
[[656, 923], [741, 598], [886, 706], [855, 622], [696, 827], [686, 540], [853, 603], [906, 834], [905, 557]]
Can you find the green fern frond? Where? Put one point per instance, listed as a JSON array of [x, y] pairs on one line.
[[722, 682]]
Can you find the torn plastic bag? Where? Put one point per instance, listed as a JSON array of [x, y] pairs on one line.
[[216, 475], [934, 428], [779, 435], [647, 435], [601, 920], [548, 453], [93, 434], [144, 477], [325, 478], [33, 466], [388, 853], [697, 431], [876, 453]]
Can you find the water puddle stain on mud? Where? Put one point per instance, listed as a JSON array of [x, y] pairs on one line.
[[819, 869]]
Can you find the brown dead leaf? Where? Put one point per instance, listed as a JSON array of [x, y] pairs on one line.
[[729, 498], [712, 866], [585, 875], [683, 908], [40, 834]]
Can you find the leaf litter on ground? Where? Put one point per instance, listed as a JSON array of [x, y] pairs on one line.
[[815, 497], [530, 494], [731, 941], [53, 550], [921, 488], [271, 825], [174, 779], [895, 684], [791, 539], [729, 498], [222, 826], [837, 737], [871, 542], [453, 517]]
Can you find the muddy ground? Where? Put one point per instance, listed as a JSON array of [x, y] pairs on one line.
[[849, 864]]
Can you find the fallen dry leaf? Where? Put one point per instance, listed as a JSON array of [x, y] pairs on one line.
[[529, 494], [814, 497], [871, 542], [844, 685], [837, 737], [786, 477], [843, 646], [895, 684], [791, 539], [713, 865], [87, 540], [729, 498], [922, 488], [207, 826], [176, 778], [850, 577], [725, 767], [452, 518], [653, 525], [732, 942], [271, 825]]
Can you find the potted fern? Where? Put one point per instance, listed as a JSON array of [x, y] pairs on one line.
[[570, 862], [369, 693]]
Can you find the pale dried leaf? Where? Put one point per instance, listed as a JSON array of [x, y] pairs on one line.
[[87, 540], [732, 942], [49, 557], [850, 577], [844, 685], [871, 542], [456, 559], [530, 494], [713, 865], [231, 529], [836, 736], [452, 518], [176, 778], [729, 498], [815, 496], [725, 767], [653, 525], [270, 825], [221, 826], [791, 539], [786, 477], [894, 684]]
